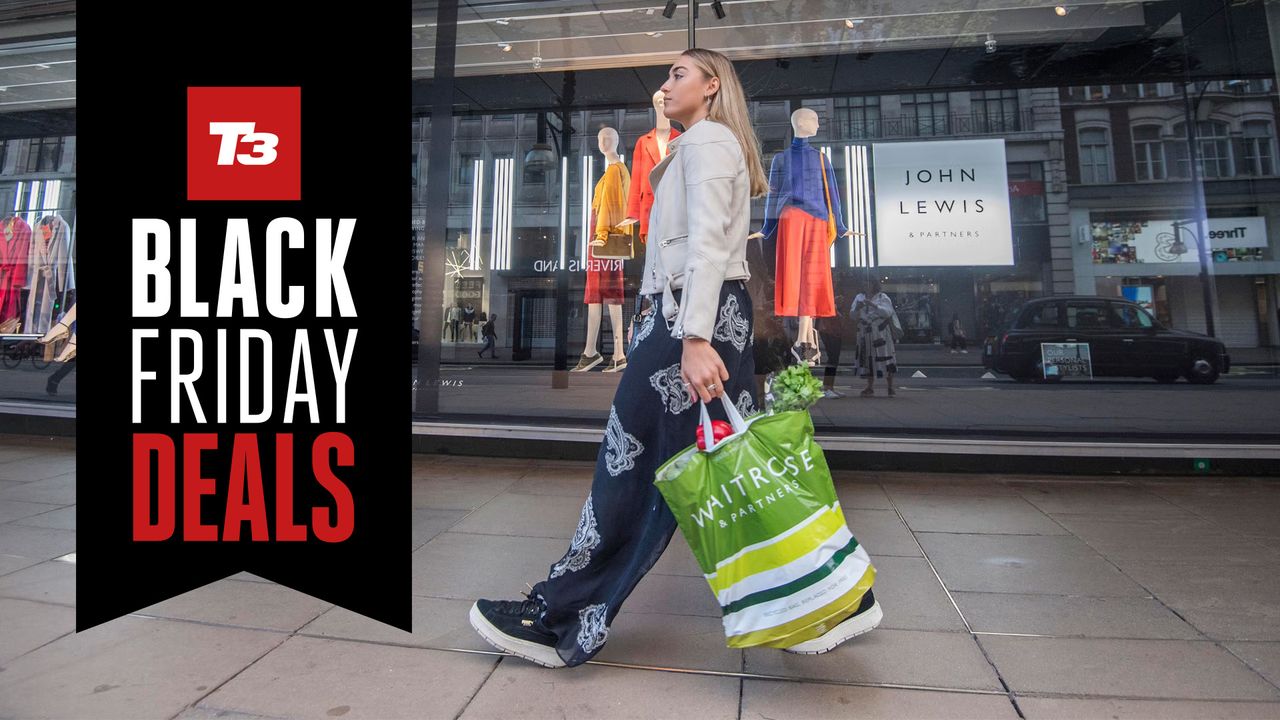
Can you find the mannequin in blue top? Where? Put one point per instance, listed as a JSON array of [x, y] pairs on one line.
[[802, 194]]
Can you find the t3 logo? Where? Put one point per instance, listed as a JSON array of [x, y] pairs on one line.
[[244, 143]]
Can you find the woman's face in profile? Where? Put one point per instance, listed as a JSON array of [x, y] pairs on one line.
[[685, 90]]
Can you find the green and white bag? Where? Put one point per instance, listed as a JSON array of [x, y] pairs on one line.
[[760, 513]]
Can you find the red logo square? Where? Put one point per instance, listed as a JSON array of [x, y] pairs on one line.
[[244, 143]]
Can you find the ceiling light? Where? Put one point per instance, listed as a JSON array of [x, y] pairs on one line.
[[42, 66], [1062, 10], [670, 10], [503, 21], [504, 47], [850, 22], [654, 34], [718, 8]]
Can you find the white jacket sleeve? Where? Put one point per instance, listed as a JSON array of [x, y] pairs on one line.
[[709, 171]]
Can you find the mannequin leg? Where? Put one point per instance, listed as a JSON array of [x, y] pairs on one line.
[[615, 323], [806, 338], [591, 357], [593, 329]]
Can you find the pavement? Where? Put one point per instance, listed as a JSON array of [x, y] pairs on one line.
[[1004, 597]]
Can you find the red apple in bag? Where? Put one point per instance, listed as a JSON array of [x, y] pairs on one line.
[[719, 431]]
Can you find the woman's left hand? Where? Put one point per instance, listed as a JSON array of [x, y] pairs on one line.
[[702, 369]]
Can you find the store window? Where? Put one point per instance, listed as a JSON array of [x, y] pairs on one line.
[[1148, 152], [1095, 155], [534, 89], [925, 114]]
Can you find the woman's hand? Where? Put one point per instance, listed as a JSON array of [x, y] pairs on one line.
[[702, 369]]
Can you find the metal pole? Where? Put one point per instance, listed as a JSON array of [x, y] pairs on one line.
[[693, 16], [1197, 197]]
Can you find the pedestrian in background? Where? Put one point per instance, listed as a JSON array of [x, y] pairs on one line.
[[958, 340], [878, 331]]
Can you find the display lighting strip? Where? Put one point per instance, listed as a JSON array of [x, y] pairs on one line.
[[564, 211], [477, 211], [17, 197], [588, 179], [500, 242], [858, 206], [33, 201]]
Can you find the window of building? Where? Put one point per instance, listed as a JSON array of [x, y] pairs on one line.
[[925, 114], [1259, 148], [995, 111], [1026, 193], [1148, 153], [859, 117], [464, 170], [1095, 155], [1214, 149], [1096, 92], [45, 155]]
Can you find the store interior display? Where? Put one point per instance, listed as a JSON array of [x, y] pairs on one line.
[[803, 210], [15, 259], [49, 272]]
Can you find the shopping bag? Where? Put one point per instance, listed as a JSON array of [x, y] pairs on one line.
[[761, 515]]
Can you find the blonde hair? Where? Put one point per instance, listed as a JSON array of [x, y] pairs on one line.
[[729, 108]]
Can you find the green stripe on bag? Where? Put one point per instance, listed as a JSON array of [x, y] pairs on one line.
[[780, 553], [796, 585], [810, 626]]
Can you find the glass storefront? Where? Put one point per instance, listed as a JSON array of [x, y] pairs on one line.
[[38, 227], [1110, 137]]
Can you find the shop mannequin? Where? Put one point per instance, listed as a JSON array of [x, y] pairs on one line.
[[802, 186], [15, 257], [604, 276], [48, 271], [650, 149]]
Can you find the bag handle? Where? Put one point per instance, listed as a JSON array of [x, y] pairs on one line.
[[735, 419]]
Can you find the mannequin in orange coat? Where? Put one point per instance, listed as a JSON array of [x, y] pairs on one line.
[[651, 148]]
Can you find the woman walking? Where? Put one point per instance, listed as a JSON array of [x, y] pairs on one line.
[[489, 335], [695, 344], [877, 321]]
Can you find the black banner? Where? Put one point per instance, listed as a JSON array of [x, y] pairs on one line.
[[241, 190]]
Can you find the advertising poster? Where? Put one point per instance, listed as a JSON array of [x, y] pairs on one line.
[[942, 203], [1066, 360]]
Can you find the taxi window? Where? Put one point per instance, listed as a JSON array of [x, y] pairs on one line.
[[1086, 316]]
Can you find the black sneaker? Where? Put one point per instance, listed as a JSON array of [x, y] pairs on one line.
[[515, 626], [863, 620]]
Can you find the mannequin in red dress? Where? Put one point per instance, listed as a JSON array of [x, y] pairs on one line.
[[651, 148]]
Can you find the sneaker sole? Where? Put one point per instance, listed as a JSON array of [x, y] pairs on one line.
[[614, 370], [599, 360], [533, 652], [847, 630]]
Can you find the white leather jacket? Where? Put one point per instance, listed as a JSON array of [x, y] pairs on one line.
[[698, 226]]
